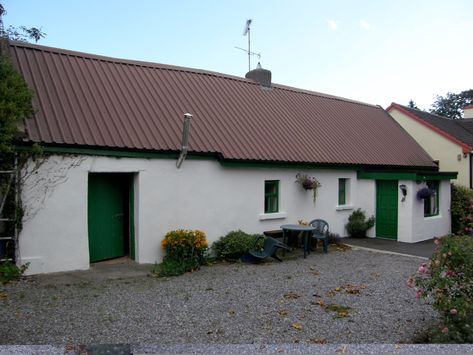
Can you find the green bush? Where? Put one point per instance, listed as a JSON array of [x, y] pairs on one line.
[[233, 245], [460, 202], [185, 251], [448, 279], [358, 225], [9, 271]]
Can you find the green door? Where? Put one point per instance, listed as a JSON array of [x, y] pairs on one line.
[[109, 221], [386, 209]]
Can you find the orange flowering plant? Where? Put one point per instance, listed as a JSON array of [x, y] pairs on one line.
[[185, 250]]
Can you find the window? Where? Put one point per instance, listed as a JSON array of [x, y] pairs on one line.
[[271, 196], [431, 203], [342, 192]]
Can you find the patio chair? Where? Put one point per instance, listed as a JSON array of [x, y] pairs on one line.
[[270, 248], [320, 233]]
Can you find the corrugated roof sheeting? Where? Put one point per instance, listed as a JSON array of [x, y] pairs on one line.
[[95, 101]]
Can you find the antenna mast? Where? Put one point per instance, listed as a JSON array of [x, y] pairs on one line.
[[247, 31]]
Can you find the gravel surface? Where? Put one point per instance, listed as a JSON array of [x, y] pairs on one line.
[[269, 303]]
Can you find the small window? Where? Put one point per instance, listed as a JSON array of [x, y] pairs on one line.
[[342, 192], [271, 196], [431, 204]]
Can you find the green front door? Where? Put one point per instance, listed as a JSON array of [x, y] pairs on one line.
[[109, 221], [386, 209]]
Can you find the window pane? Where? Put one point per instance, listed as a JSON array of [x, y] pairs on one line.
[[271, 196], [342, 198], [431, 204]]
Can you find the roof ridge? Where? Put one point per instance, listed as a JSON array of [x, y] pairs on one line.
[[161, 66]]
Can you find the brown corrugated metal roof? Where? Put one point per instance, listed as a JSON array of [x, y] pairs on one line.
[[89, 100]]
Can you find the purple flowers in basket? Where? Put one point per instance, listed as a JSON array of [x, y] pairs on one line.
[[424, 193]]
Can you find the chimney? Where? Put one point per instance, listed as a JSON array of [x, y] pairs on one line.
[[468, 111], [260, 75]]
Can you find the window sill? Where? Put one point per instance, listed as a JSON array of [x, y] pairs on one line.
[[344, 208], [434, 216], [277, 215]]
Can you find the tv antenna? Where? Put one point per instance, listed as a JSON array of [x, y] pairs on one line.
[[246, 31]]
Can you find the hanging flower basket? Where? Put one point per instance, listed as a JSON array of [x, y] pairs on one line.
[[308, 183], [424, 193]]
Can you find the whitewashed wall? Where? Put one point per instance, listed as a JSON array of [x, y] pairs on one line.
[[201, 195], [412, 225]]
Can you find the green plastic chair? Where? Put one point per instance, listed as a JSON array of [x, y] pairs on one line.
[[320, 232], [270, 248]]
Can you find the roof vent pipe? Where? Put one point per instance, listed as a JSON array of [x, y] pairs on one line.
[[185, 139]]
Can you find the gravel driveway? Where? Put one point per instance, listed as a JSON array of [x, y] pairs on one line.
[[296, 301]]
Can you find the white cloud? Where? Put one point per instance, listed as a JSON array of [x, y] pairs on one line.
[[333, 25], [365, 25]]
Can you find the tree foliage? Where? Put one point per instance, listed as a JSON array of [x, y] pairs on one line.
[[412, 104], [21, 33], [15, 96], [15, 103], [452, 104]]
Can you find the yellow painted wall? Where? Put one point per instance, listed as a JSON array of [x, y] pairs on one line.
[[438, 147]]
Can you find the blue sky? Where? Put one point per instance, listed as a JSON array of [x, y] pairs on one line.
[[376, 51]]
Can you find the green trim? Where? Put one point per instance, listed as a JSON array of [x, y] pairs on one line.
[[132, 217], [386, 176], [382, 174], [271, 198], [416, 176], [116, 153], [282, 165], [440, 176]]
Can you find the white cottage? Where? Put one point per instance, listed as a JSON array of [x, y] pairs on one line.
[[110, 185]]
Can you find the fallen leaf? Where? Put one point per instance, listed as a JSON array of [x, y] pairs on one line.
[[320, 303], [291, 295], [318, 341], [397, 346], [282, 313], [297, 326], [232, 311], [3, 295]]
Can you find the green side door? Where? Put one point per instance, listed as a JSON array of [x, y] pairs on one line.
[[386, 209], [108, 215]]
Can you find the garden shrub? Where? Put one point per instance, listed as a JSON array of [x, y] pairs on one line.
[[233, 245], [448, 279], [460, 202], [358, 225], [185, 251], [334, 238], [9, 271]]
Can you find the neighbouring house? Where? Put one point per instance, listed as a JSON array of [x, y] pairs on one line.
[[448, 141], [115, 176]]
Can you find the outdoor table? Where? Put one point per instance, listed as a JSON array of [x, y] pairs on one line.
[[306, 231]]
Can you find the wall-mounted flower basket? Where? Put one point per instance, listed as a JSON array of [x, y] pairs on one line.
[[308, 183], [424, 193]]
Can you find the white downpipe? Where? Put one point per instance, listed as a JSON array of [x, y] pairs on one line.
[[185, 139]]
